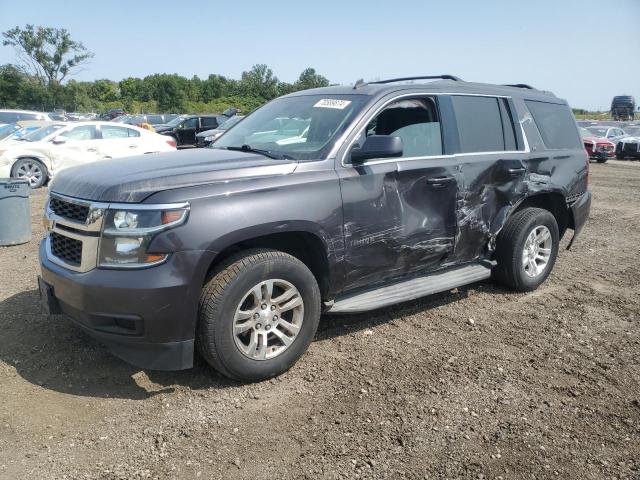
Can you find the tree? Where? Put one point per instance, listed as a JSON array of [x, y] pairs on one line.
[[310, 79], [49, 53], [259, 82]]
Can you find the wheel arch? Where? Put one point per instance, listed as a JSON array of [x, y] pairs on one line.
[[554, 202], [43, 161], [310, 246]]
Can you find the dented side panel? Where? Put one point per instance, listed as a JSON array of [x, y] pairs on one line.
[[396, 221], [490, 186]]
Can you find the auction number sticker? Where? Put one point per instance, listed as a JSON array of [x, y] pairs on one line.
[[332, 103]]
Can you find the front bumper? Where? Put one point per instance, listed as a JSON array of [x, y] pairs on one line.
[[146, 317], [601, 154], [5, 170]]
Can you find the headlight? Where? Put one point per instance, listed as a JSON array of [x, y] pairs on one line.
[[126, 235], [209, 138]]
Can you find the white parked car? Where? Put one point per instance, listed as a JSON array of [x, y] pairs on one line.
[[13, 116], [38, 156]]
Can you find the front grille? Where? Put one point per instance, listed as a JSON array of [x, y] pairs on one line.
[[630, 147], [66, 249], [604, 148], [69, 210]]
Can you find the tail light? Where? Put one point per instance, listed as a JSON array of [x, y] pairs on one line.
[[586, 187], [172, 143]]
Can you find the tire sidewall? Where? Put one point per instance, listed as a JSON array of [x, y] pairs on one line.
[[546, 219], [275, 268]]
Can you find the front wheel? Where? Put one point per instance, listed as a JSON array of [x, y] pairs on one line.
[[258, 314], [602, 160], [526, 249], [31, 170]]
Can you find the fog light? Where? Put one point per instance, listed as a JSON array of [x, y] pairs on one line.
[[127, 245]]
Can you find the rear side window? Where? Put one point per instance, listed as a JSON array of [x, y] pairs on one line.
[[154, 119], [479, 124], [555, 124], [210, 122], [109, 132]]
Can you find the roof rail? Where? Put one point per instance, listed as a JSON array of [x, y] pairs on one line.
[[519, 85], [425, 77]]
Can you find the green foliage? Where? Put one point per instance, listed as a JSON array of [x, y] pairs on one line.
[[49, 53], [155, 93]]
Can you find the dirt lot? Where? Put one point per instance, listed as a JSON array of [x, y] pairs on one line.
[[476, 383]]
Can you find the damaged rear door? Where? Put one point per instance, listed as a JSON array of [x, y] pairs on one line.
[[493, 166], [400, 214]]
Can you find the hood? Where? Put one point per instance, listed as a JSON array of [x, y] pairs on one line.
[[598, 140], [631, 139], [162, 127], [132, 179], [206, 133]]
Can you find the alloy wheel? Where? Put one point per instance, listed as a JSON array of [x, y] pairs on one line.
[[30, 171], [268, 319], [537, 251]]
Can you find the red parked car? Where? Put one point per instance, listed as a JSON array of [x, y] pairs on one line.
[[597, 147]]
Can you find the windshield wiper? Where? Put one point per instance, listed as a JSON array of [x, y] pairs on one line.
[[266, 153]]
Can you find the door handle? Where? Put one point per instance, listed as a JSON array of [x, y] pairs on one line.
[[91, 150], [133, 146], [439, 181], [516, 172]]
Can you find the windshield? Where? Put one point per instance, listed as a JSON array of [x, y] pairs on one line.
[[229, 123], [598, 131], [41, 133], [176, 121], [301, 127], [585, 133], [8, 129]]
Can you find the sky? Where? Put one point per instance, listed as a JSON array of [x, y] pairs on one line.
[[586, 51]]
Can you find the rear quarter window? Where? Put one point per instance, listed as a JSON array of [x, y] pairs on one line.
[[556, 125]]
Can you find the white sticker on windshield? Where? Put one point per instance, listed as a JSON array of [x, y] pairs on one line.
[[332, 103]]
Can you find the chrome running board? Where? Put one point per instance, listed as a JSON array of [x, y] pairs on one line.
[[410, 289]]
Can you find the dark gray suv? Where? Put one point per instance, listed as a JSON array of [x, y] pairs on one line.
[[340, 199]]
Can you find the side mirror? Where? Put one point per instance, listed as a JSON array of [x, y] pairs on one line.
[[377, 146], [59, 140]]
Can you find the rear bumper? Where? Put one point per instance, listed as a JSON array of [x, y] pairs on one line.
[[146, 317], [579, 213]]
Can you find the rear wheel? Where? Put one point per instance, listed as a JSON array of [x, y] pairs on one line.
[[526, 249], [31, 170], [258, 314]]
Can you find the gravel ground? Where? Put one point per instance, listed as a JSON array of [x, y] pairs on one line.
[[474, 383]]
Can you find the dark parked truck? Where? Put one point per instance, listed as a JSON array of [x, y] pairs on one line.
[[375, 195], [623, 107]]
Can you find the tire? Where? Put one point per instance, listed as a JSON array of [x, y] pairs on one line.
[[512, 271], [602, 160], [32, 170], [229, 303], [619, 157]]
